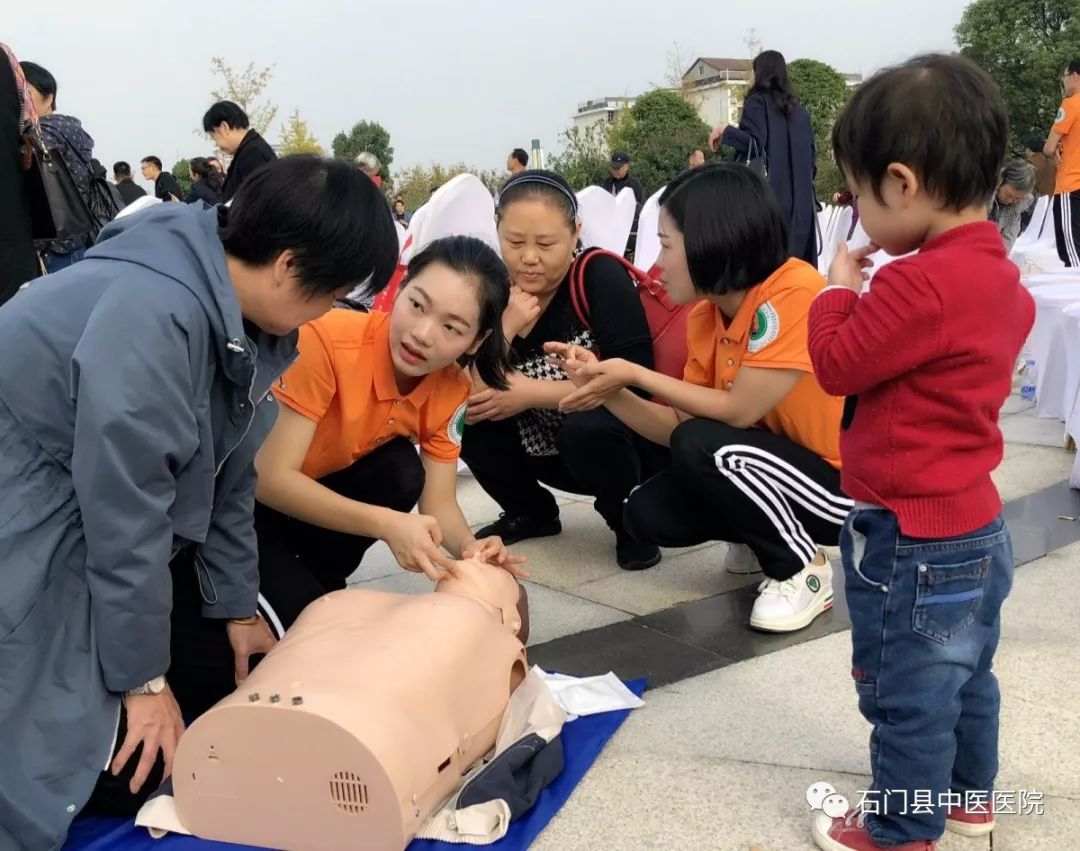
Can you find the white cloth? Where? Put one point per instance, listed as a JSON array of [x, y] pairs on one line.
[[580, 696]]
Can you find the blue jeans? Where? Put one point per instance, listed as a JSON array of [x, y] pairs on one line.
[[925, 622], [55, 262]]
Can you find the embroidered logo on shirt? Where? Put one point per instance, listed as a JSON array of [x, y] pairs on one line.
[[1060, 115], [765, 328], [456, 428], [813, 583]]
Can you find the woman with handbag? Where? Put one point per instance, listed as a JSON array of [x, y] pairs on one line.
[[18, 264], [775, 135], [516, 441], [62, 134]]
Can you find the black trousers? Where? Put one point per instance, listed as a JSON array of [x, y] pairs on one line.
[[1067, 227], [598, 456], [742, 486]]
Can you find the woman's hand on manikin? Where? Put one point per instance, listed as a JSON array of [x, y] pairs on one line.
[[416, 540]]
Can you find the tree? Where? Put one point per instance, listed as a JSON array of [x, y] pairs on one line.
[[677, 60], [297, 139], [823, 91], [182, 172], [585, 159], [1024, 47], [245, 88], [414, 186], [658, 132], [367, 136]]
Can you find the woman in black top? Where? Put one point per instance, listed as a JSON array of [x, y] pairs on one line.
[[516, 439], [206, 183]]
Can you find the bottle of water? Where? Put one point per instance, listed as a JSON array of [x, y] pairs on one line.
[[1030, 379]]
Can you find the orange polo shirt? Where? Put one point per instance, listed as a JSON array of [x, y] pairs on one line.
[[344, 382], [1068, 171], [770, 332]]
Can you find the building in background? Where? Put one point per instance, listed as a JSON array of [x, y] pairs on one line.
[[600, 110]]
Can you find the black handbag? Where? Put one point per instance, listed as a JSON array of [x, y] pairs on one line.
[[755, 160], [58, 211]]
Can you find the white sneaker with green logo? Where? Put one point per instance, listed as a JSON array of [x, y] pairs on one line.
[[791, 604]]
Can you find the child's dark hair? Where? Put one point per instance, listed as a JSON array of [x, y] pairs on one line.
[[942, 116], [332, 217], [733, 229], [542, 185], [473, 258]]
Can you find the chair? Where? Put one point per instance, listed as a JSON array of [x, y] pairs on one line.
[[402, 233], [137, 205], [622, 223], [1046, 346], [1035, 250], [648, 241], [839, 225], [1071, 396], [596, 209]]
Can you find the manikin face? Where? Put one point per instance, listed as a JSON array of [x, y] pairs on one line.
[[537, 244], [674, 272], [435, 320]]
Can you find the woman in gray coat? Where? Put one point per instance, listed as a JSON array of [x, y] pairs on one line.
[[134, 392]]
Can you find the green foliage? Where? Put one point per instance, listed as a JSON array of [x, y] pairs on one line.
[[244, 88], [415, 184], [1024, 46], [182, 172], [296, 138], [585, 159], [659, 132], [367, 136], [823, 91]]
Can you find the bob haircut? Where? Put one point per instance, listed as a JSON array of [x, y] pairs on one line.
[[329, 214], [733, 229]]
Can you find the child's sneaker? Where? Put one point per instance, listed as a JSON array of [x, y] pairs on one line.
[[791, 604], [848, 833], [741, 561], [969, 823]]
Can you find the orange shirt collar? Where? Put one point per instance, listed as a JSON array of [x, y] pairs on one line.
[[386, 388], [744, 317]]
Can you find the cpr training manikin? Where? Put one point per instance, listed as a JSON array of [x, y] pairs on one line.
[[360, 723]]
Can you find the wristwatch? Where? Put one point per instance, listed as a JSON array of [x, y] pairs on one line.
[[155, 686]]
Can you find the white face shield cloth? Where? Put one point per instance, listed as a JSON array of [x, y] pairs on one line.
[[580, 696]]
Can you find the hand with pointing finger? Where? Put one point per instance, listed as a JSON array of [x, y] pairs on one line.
[[851, 269], [416, 540]]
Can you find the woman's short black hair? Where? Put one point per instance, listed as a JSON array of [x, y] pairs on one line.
[[733, 230], [543, 185], [941, 116], [225, 112], [40, 79], [473, 258], [330, 215]]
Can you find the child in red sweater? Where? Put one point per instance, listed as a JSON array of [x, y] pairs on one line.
[[925, 359]]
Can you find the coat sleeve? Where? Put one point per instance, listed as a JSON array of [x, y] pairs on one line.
[[135, 427], [753, 126]]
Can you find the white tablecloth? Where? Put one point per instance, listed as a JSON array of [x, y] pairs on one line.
[[1047, 347]]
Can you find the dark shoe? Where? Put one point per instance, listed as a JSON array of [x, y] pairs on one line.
[[514, 529], [634, 556]]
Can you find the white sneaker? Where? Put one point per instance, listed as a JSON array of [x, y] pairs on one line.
[[793, 603], [741, 561]]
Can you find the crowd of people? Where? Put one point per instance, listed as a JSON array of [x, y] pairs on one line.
[[197, 439]]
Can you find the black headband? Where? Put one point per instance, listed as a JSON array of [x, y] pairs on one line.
[[537, 176]]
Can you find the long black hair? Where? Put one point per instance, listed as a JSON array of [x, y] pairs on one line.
[[475, 259], [201, 168], [771, 78]]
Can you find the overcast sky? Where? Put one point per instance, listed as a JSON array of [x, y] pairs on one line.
[[450, 81]]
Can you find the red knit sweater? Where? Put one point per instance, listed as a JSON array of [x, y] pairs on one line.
[[929, 353]]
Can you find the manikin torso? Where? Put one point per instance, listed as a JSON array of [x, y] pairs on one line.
[[360, 722]]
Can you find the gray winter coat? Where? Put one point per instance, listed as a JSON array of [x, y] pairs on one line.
[[131, 406]]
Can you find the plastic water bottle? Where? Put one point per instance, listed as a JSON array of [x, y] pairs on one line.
[[1028, 382]]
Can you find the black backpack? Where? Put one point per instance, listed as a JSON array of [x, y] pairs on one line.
[[104, 202]]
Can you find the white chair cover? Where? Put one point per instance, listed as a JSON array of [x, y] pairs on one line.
[[859, 237], [137, 205], [596, 209], [1071, 396], [1046, 346], [833, 236], [648, 241], [462, 206], [1035, 250], [623, 221]]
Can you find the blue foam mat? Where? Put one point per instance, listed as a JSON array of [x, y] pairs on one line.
[[582, 739]]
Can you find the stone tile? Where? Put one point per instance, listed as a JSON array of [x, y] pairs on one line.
[[1016, 405], [555, 614], [1025, 428], [1024, 615], [1035, 525], [1055, 830], [679, 578], [1026, 469]]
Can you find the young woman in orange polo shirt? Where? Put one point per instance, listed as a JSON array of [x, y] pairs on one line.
[[754, 439]]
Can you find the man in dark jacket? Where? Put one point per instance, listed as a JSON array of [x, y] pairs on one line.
[[128, 434], [228, 127], [18, 263], [128, 188], [621, 179], [165, 186]]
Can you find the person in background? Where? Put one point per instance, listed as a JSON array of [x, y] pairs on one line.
[[1012, 199], [125, 184], [621, 179], [369, 164], [228, 127], [165, 186], [1045, 166], [205, 183], [128, 434], [217, 166], [696, 158], [18, 263], [517, 161], [1063, 144], [63, 133], [400, 215], [778, 127]]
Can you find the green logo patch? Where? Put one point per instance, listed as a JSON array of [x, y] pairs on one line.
[[456, 428], [813, 583], [765, 328]]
